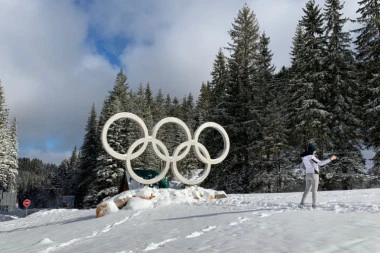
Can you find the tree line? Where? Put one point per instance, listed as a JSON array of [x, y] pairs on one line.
[[328, 96]]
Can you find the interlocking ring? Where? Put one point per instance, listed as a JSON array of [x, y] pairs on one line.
[[200, 150]]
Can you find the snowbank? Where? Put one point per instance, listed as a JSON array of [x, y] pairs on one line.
[[147, 198]]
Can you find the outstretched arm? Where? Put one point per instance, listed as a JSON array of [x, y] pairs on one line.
[[324, 162]]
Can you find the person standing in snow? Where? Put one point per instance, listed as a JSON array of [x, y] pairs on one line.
[[311, 165]]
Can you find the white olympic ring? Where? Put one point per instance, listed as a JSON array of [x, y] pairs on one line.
[[200, 150]]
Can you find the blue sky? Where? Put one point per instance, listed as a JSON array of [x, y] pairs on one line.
[[57, 58]]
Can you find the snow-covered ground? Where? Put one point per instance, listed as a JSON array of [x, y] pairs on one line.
[[345, 221]]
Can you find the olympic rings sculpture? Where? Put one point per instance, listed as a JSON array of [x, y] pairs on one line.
[[200, 150]]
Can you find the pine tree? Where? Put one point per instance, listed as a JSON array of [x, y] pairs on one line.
[[64, 177], [341, 96], [188, 110], [368, 39], [270, 163], [4, 141], [159, 110], [215, 91], [110, 170], [72, 173], [210, 107], [166, 132], [265, 67], [240, 90], [189, 165], [13, 161], [297, 49], [218, 82], [266, 101], [239, 105], [307, 114], [368, 55], [375, 171], [8, 148], [87, 160], [204, 103], [144, 100]]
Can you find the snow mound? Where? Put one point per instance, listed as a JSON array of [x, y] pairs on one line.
[[138, 204], [45, 241], [147, 198]]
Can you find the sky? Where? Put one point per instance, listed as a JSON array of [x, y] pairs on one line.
[[173, 221], [58, 58]]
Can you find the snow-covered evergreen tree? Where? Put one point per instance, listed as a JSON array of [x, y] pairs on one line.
[[109, 169], [240, 112], [144, 103], [8, 148], [270, 160], [190, 165], [13, 160], [73, 175], [210, 107], [307, 114], [87, 160], [4, 141], [158, 109], [298, 42], [265, 67], [218, 85], [63, 176], [341, 99], [341, 79], [368, 55], [239, 105], [204, 103], [68, 174]]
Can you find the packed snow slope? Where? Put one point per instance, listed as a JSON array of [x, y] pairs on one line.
[[345, 221]]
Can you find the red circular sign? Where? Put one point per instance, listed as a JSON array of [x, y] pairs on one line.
[[26, 203]]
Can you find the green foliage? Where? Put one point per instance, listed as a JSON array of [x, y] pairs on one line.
[[33, 179]]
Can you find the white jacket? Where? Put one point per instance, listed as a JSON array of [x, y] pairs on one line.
[[312, 163]]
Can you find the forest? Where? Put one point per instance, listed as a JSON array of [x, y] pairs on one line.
[[329, 96]]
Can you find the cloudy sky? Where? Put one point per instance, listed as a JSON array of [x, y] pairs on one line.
[[57, 58]]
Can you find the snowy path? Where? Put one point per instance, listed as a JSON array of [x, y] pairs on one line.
[[345, 221]]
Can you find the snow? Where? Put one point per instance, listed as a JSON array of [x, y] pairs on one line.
[[173, 221]]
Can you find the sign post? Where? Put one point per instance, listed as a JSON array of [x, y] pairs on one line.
[[26, 203]]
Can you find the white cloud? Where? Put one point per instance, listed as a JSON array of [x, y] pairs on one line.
[[51, 77], [181, 57], [181, 53], [48, 156], [52, 74]]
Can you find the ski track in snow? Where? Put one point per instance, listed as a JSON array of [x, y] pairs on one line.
[[106, 229], [197, 233], [152, 246], [240, 220]]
